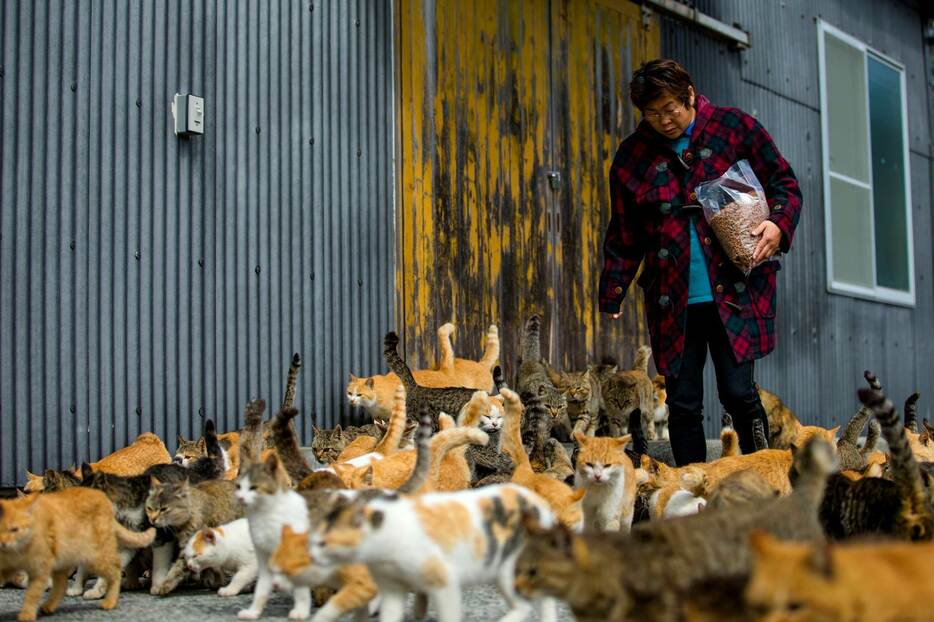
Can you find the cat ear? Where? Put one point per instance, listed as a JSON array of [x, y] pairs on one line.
[[833, 431], [209, 536], [353, 378], [368, 476], [642, 477], [580, 437], [154, 481], [180, 439], [370, 383], [87, 473], [622, 441], [337, 429], [272, 462]]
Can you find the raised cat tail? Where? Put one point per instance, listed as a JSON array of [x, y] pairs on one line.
[[872, 437], [511, 435], [211, 445], [499, 379], [491, 348], [473, 410], [531, 339], [729, 440], [640, 446], [759, 435], [291, 382], [129, 539], [286, 443], [389, 444], [641, 362], [395, 362], [911, 412], [422, 454], [448, 440], [251, 438]]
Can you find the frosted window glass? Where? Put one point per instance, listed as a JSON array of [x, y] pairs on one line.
[[851, 220], [846, 100]]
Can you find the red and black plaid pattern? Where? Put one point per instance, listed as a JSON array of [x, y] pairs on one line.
[[652, 201]]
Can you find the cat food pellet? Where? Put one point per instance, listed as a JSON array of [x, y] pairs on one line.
[[734, 225]]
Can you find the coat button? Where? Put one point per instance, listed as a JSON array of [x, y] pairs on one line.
[[618, 290], [663, 300], [740, 287], [707, 241], [693, 196], [665, 208], [719, 289], [663, 254]]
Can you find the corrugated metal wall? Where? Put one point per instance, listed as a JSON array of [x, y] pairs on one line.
[[825, 341], [145, 279]]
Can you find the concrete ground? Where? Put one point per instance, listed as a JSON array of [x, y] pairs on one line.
[[480, 605]]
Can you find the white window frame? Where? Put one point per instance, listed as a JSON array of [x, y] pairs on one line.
[[876, 293]]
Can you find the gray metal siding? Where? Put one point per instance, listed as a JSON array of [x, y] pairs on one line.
[[146, 278], [825, 341]]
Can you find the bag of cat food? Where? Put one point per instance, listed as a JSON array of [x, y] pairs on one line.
[[734, 204]]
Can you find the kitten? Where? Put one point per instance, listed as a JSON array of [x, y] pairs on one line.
[[626, 391], [564, 501], [48, 535], [660, 411], [533, 382], [606, 473], [581, 390], [437, 543], [355, 588], [376, 392], [437, 400], [860, 582], [227, 548]]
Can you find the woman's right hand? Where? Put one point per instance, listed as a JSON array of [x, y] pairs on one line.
[[616, 315]]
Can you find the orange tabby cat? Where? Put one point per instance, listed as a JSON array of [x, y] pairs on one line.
[[564, 500], [355, 587], [785, 429], [375, 393], [772, 464], [871, 582], [606, 473], [147, 450], [48, 535]]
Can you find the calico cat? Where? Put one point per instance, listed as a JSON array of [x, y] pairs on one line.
[[437, 400], [227, 548], [147, 450], [860, 582], [593, 573], [437, 543], [533, 382], [48, 535], [606, 473], [564, 501], [628, 390], [581, 390], [899, 507], [375, 393]]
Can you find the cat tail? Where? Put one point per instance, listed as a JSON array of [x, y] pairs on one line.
[[531, 339], [491, 348], [395, 362], [499, 379], [285, 441], [905, 470], [446, 360], [389, 444], [129, 539], [511, 434], [291, 381], [854, 426], [872, 437], [251, 438], [911, 412], [641, 362], [446, 441], [694, 480], [759, 436], [470, 414], [422, 454], [729, 440], [640, 446], [211, 445]]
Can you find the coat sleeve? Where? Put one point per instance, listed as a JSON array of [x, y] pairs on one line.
[[623, 246], [777, 178]]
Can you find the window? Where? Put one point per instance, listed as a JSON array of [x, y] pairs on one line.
[[866, 176]]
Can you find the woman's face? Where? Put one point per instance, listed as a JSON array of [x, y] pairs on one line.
[[668, 115]]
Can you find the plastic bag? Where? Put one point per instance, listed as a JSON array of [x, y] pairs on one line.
[[734, 204]]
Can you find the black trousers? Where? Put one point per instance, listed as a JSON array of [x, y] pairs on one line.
[[735, 387]]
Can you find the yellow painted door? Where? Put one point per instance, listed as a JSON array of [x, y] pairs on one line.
[[495, 97]]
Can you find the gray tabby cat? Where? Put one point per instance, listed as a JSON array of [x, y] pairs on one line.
[[626, 390], [327, 445], [851, 456], [417, 397], [582, 391]]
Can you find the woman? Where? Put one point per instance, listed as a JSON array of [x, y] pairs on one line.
[[695, 298]]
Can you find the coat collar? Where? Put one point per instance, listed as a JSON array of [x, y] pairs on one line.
[[704, 112]]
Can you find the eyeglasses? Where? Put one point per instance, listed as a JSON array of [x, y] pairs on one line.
[[668, 112]]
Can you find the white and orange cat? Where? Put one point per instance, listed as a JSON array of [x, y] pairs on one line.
[[611, 482], [227, 548], [375, 393], [436, 543]]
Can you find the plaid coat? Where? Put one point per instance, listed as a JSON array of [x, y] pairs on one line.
[[652, 197]]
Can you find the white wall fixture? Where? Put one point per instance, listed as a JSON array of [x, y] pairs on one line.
[[188, 111]]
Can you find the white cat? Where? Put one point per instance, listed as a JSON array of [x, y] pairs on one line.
[[225, 548]]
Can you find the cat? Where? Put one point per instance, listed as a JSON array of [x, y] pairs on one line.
[[593, 572], [900, 507], [581, 391], [53, 480], [375, 392], [681, 499], [628, 390], [533, 382], [851, 456], [147, 450], [738, 488], [437, 400], [48, 535], [660, 410], [607, 475], [486, 461], [342, 444], [437, 543], [921, 443], [784, 426], [773, 464], [858, 582], [564, 501], [226, 548]]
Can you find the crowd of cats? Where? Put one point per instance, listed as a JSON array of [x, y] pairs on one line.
[[546, 490]]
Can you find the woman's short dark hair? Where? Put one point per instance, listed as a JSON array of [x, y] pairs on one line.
[[657, 77]]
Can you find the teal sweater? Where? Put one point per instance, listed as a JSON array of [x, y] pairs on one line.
[[698, 280]]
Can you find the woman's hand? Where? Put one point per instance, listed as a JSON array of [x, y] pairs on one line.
[[768, 244]]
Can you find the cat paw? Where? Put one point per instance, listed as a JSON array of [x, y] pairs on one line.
[[25, 616], [75, 590], [299, 613], [228, 591], [162, 589], [94, 593], [46, 609], [248, 614]]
